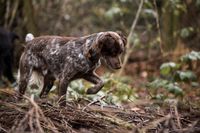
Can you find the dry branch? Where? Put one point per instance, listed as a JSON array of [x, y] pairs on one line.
[[129, 47]]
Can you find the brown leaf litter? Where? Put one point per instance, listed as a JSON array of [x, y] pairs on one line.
[[29, 116]]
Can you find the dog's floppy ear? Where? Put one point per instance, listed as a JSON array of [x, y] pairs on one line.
[[123, 37], [93, 45]]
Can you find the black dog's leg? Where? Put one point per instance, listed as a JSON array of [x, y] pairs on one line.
[[8, 73], [2, 83], [93, 78], [1, 67]]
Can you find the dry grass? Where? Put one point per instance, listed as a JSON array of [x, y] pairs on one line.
[[29, 116]]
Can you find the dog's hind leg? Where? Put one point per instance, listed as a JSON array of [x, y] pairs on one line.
[[25, 71], [48, 84]]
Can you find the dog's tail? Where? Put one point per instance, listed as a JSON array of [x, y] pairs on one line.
[[29, 37]]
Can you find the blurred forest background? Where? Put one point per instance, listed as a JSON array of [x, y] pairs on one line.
[[157, 89], [163, 52]]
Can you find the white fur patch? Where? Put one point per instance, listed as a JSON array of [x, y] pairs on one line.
[[57, 45], [55, 49], [73, 44], [88, 41], [53, 41], [35, 78], [81, 56], [29, 37]]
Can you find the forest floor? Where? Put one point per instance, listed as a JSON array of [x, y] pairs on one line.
[[175, 115], [83, 116]]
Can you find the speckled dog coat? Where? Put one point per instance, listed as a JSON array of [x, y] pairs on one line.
[[69, 58]]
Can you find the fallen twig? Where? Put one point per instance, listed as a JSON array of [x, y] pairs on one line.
[[93, 102]]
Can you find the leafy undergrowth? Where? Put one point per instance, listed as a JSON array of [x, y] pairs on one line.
[[84, 116]]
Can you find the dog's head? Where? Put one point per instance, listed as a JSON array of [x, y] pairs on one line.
[[112, 45]]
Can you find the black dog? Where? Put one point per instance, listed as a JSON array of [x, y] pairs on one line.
[[56, 57], [7, 54]]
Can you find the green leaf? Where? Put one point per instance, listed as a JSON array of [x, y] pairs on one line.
[[186, 32], [112, 11], [174, 88], [169, 86], [167, 68], [195, 84], [156, 84], [185, 76], [193, 55], [159, 97]]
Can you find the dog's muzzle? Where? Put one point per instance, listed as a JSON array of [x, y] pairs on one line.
[[113, 62]]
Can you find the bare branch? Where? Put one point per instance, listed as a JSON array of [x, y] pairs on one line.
[[129, 47]]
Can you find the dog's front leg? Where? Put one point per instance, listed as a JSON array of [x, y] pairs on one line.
[[95, 79], [64, 81], [62, 90]]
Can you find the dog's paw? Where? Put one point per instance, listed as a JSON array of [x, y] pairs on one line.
[[19, 97], [92, 90], [44, 96]]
